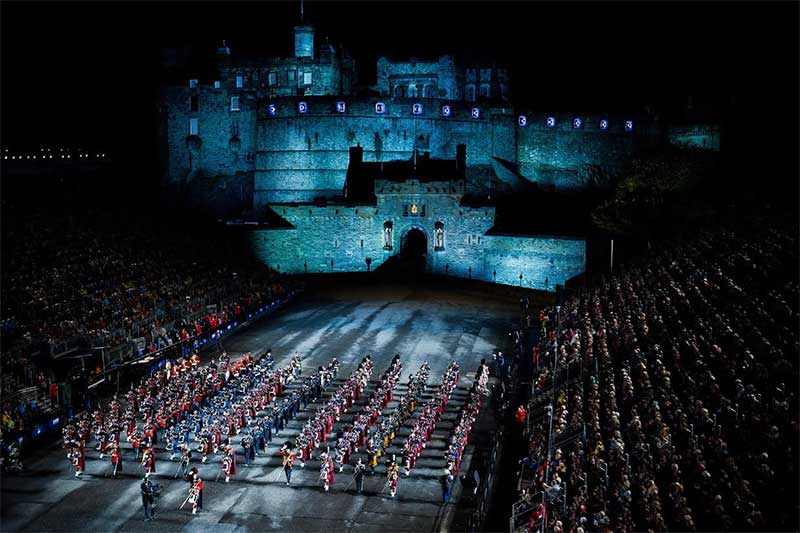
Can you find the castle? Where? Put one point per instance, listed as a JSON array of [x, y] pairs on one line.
[[353, 174]]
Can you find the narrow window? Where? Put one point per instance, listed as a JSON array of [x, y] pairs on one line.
[[234, 103], [217, 85], [388, 235], [192, 84], [273, 78], [307, 78], [471, 93], [239, 82], [192, 126], [438, 236], [291, 75]]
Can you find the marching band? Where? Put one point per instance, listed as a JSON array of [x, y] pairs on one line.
[[187, 405]]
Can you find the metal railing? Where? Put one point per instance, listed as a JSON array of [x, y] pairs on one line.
[[521, 512]]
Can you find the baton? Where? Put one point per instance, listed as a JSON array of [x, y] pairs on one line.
[[216, 479], [177, 471]]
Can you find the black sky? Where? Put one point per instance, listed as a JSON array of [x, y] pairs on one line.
[[89, 72]]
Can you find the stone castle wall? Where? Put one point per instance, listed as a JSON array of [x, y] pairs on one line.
[[706, 137], [297, 157], [543, 262], [560, 155], [340, 239], [215, 150], [304, 156]]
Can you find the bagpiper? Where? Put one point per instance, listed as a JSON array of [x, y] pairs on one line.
[[392, 478], [229, 463], [205, 446], [186, 456], [116, 458], [77, 454], [326, 470], [149, 461]]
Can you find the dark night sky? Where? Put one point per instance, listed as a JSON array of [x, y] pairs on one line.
[[89, 72]]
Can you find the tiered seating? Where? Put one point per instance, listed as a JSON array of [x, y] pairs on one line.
[[67, 285], [675, 399]]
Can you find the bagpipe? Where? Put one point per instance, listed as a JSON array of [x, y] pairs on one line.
[[227, 463]]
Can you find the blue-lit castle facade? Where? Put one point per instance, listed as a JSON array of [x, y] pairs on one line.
[[279, 134]]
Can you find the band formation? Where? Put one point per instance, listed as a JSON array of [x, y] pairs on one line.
[[191, 411]]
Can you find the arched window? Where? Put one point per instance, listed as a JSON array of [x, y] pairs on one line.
[[438, 237], [485, 90], [388, 235], [399, 92], [470, 93], [412, 91]]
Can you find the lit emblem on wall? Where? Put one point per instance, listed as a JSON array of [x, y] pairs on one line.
[[302, 107], [551, 122], [446, 111], [577, 123], [522, 120], [628, 125], [341, 107], [604, 124], [416, 109], [271, 109], [476, 112], [414, 209], [380, 107]]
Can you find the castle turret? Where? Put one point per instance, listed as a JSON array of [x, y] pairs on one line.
[[304, 41]]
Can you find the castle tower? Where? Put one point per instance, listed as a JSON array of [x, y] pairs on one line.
[[304, 41]]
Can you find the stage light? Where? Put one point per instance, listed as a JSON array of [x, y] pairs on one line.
[[417, 109], [551, 122], [271, 109], [341, 107], [476, 112], [302, 107], [577, 123], [628, 125], [380, 108], [446, 110], [522, 120], [604, 124]]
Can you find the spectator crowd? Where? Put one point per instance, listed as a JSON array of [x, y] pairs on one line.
[[68, 284], [674, 394]]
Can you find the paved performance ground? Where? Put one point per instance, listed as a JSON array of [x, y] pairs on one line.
[[419, 324]]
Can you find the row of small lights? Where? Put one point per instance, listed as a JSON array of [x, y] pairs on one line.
[[446, 111], [49, 155]]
